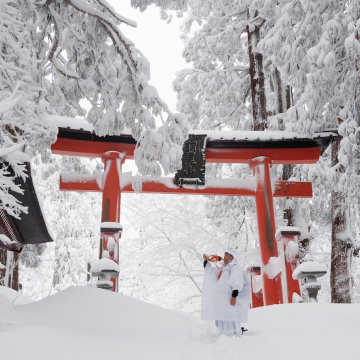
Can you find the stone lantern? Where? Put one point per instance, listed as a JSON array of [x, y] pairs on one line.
[[308, 271], [105, 269]]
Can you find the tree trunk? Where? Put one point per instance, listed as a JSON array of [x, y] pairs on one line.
[[288, 212], [341, 250], [3, 259], [257, 79], [282, 104], [9, 275]]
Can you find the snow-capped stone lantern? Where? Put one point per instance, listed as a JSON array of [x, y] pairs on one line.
[[309, 271], [106, 270]]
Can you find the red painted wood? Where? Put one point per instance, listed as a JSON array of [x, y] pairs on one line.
[[80, 185], [111, 203], [292, 285], [282, 188], [257, 299], [293, 189], [85, 148], [278, 156], [291, 264], [266, 228]]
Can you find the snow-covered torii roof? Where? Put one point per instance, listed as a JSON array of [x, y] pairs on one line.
[[75, 136]]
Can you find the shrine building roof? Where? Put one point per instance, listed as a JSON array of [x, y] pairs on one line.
[[31, 228]]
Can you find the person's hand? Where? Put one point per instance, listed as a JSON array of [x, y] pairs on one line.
[[233, 301], [205, 257]]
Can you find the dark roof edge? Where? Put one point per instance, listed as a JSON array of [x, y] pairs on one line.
[[32, 227], [318, 141]]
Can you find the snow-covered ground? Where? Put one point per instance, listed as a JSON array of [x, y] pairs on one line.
[[87, 323]]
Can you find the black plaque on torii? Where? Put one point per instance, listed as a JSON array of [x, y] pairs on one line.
[[193, 162]]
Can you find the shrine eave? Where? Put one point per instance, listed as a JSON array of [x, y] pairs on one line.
[[282, 151], [31, 228]]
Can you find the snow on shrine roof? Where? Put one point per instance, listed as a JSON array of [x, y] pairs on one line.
[[255, 135], [73, 128], [70, 123], [267, 139]]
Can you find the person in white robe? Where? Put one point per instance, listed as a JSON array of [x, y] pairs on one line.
[[226, 294]]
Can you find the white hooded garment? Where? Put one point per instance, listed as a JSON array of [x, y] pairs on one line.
[[216, 294]]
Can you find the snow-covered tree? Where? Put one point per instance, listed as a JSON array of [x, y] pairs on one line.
[[306, 55], [54, 54], [316, 46], [73, 219], [166, 237], [87, 57], [22, 125]]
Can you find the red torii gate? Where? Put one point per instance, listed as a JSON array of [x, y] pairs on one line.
[[248, 148]]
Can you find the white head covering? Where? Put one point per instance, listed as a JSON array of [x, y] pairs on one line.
[[233, 253]]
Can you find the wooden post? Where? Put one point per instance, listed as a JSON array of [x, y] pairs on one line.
[[111, 202], [287, 237], [266, 228], [257, 296]]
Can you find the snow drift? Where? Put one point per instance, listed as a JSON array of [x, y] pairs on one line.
[[88, 323]]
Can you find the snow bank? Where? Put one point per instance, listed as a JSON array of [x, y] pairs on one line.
[[14, 297], [92, 324], [9, 319]]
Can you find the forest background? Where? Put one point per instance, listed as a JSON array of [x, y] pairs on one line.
[[253, 65]]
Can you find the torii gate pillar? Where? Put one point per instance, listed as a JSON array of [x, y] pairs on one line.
[[266, 228], [111, 201]]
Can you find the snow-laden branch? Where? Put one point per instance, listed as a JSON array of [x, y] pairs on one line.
[[122, 44], [89, 10], [117, 16], [10, 101], [64, 70], [56, 36], [9, 150]]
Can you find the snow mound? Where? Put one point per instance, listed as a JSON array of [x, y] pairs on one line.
[[14, 297], [9, 320], [89, 323]]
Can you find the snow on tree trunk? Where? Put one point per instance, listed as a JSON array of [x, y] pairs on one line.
[[341, 252], [3, 259], [257, 79], [9, 275], [288, 210], [282, 97], [282, 104]]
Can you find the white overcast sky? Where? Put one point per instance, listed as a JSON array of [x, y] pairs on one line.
[[162, 46], [159, 42]]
